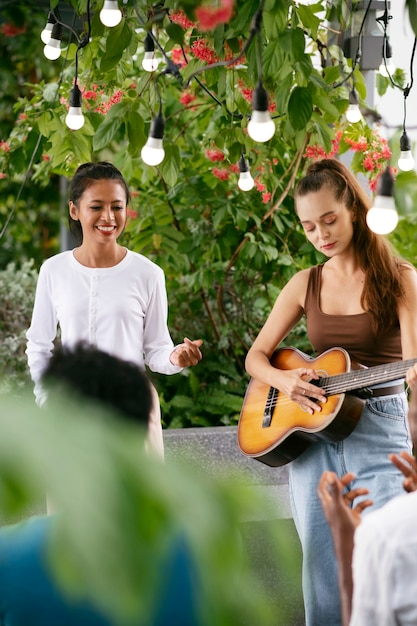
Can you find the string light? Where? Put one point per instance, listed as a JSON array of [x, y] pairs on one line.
[[406, 160], [353, 113], [110, 14], [150, 61], [75, 118], [52, 50], [245, 182], [47, 31], [261, 126], [153, 152], [387, 66], [382, 217]]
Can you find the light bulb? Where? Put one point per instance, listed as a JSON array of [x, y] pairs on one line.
[[406, 160], [353, 113], [46, 33], [75, 118], [245, 182], [387, 68], [153, 152], [52, 50], [382, 217], [150, 62], [110, 14], [261, 127], [382, 220]]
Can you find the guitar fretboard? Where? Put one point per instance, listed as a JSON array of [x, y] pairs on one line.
[[360, 379]]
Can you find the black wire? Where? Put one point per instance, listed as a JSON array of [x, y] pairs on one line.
[[358, 54]]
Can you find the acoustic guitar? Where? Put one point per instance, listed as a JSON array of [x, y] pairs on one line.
[[275, 430]]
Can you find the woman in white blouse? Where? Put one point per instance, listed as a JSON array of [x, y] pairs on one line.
[[103, 293]]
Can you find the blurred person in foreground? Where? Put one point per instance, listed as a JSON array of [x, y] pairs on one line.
[[29, 594], [377, 555]]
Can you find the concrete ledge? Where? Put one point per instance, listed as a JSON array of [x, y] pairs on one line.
[[217, 451]]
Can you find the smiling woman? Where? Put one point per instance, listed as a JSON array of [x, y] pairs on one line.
[[104, 294]]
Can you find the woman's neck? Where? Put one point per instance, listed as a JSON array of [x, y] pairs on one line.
[[100, 256]]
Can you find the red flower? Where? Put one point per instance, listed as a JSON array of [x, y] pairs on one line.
[[182, 20], [202, 51], [10, 30], [266, 197], [106, 106], [4, 146], [177, 56], [187, 98], [214, 155], [131, 214], [245, 91], [221, 174], [209, 17], [259, 186], [3, 175]]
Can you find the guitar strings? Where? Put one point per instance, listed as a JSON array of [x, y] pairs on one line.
[[348, 381]]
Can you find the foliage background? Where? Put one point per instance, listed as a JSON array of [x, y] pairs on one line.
[[225, 253]]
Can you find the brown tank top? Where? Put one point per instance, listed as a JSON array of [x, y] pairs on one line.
[[351, 332]]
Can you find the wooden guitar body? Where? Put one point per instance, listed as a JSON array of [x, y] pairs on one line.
[[275, 430]]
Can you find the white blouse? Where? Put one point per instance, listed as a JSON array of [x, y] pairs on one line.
[[121, 309]]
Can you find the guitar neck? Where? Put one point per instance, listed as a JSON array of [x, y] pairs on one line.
[[360, 379]]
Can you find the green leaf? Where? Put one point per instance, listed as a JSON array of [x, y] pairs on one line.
[[135, 132], [412, 12], [309, 19], [110, 125], [117, 41], [171, 165], [300, 107]]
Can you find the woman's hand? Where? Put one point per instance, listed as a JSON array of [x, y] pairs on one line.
[[296, 386], [187, 353]]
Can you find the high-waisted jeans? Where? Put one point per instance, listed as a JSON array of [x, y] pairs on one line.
[[382, 429]]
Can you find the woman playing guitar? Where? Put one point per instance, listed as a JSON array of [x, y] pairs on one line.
[[363, 299]]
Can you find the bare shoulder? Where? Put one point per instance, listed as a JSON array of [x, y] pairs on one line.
[[408, 273], [300, 279], [297, 285]]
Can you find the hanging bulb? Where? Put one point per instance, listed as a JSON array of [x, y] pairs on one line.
[[150, 61], [153, 152], [353, 114], [110, 14], [261, 127], [75, 118], [406, 160], [382, 217], [47, 31], [52, 50], [387, 66], [245, 182]]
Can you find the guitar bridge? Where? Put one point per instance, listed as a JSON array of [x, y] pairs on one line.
[[269, 407]]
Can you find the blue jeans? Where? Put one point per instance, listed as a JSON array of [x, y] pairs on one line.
[[382, 429]]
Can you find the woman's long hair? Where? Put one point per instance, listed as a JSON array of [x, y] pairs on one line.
[[383, 286]]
